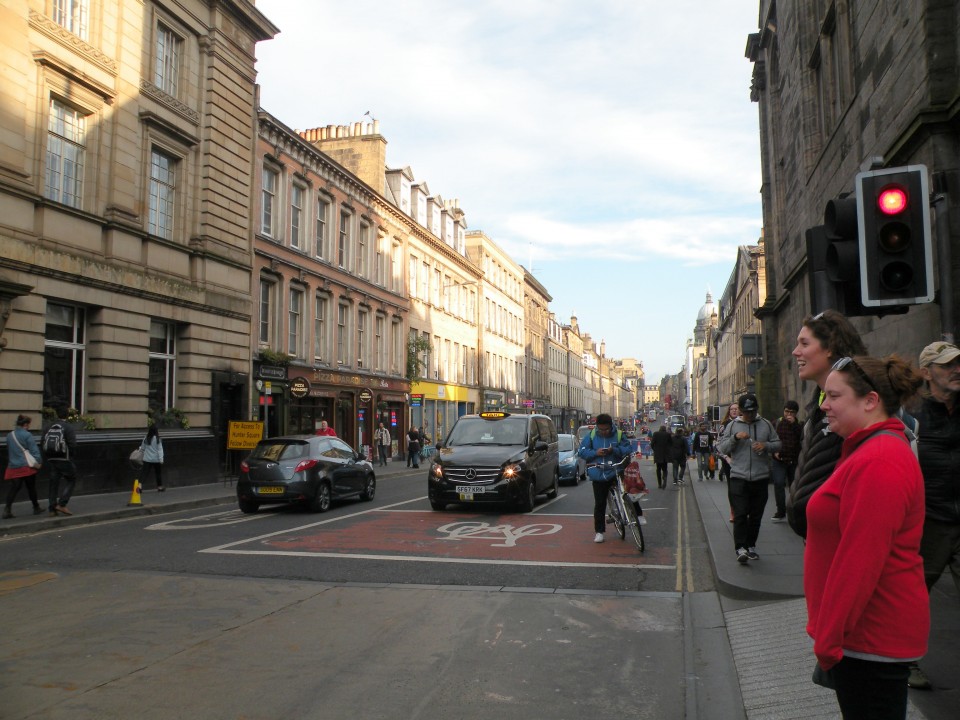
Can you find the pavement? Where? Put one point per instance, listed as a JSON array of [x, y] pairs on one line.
[[762, 604]]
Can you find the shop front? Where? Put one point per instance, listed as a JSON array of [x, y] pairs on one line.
[[435, 407]]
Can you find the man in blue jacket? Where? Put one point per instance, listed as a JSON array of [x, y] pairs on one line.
[[603, 449]]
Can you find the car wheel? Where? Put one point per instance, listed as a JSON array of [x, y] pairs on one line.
[[529, 499], [555, 488], [369, 488], [249, 506], [321, 501], [437, 505]]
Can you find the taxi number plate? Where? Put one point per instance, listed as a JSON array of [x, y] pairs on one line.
[[470, 490], [275, 490]]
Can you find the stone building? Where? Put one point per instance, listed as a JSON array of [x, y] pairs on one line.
[[125, 259], [329, 332], [837, 85], [536, 313]]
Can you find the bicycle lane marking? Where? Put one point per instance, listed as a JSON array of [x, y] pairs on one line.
[[428, 536]]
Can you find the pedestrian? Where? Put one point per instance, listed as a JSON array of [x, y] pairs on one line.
[[678, 455], [661, 444], [733, 412], [784, 462], [938, 448], [382, 437], [325, 430], [413, 447], [152, 447], [703, 449], [823, 339], [867, 605], [749, 441], [603, 448], [59, 445], [21, 470]]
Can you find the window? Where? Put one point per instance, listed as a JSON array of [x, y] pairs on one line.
[[396, 268], [436, 287], [380, 261], [321, 334], [380, 348], [66, 135], [163, 187], [412, 279], [398, 353], [298, 195], [342, 329], [64, 356], [323, 214], [363, 248], [268, 202], [166, 74], [362, 338], [295, 322], [343, 239], [267, 305], [73, 15], [163, 366], [425, 281]]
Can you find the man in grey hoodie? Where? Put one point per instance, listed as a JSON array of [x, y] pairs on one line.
[[749, 441]]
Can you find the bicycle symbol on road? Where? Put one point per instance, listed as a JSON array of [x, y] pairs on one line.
[[508, 534]]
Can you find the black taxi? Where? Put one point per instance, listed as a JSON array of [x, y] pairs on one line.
[[496, 457]]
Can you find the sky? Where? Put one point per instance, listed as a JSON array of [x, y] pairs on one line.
[[609, 147]]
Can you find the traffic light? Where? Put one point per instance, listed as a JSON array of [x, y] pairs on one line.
[[895, 246], [833, 260]]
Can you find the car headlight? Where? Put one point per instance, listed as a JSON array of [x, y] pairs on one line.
[[572, 460], [436, 471], [512, 471]]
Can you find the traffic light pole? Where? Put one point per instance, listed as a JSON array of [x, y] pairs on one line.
[[941, 203]]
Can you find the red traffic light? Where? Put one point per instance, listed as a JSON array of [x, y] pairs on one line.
[[892, 200]]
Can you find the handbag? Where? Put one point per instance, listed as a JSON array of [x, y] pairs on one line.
[[823, 678], [136, 457], [32, 462]]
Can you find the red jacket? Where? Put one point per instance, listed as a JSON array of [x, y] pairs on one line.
[[863, 575]]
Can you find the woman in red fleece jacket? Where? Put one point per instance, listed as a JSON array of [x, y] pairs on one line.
[[867, 605]]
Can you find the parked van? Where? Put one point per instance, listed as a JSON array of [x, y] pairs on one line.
[[496, 457]]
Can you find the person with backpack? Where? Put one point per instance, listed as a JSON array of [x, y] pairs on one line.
[[152, 447], [603, 448], [59, 445], [750, 440], [21, 470]]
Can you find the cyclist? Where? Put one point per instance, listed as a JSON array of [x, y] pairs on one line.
[[603, 449]]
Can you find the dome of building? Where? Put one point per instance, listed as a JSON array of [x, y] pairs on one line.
[[708, 309]]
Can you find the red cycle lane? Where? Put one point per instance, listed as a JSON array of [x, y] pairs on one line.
[[466, 537]]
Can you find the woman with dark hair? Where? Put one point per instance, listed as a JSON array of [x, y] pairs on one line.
[[822, 340], [20, 441], [863, 574], [153, 455]]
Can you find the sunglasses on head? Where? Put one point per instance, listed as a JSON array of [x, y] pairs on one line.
[[845, 361]]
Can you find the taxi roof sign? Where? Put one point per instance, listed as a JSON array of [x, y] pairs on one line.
[[494, 415]]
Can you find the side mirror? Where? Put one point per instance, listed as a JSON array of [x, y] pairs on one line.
[[540, 445]]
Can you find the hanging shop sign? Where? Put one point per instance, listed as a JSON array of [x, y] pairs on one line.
[[299, 387], [365, 396]]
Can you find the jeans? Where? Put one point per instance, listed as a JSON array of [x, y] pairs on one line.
[[157, 473], [747, 498], [383, 454], [871, 690], [782, 477], [703, 465], [679, 468], [661, 474], [61, 470], [601, 488], [30, 481]]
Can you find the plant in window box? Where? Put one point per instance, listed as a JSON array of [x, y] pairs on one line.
[[272, 357], [172, 417], [83, 422]]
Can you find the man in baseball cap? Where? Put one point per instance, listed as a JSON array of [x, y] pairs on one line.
[[937, 443]]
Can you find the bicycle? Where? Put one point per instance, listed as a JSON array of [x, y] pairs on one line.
[[622, 507]]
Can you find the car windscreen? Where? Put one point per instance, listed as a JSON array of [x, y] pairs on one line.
[[565, 443], [477, 431], [281, 450]]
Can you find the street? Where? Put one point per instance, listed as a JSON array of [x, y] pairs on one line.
[[382, 609]]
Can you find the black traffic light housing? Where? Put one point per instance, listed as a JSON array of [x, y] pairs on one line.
[[895, 244]]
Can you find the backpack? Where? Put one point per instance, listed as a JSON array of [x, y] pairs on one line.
[[54, 442]]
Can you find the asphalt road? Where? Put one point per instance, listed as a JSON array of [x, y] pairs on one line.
[[381, 609]]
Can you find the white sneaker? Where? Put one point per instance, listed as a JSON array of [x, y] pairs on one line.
[[598, 537]]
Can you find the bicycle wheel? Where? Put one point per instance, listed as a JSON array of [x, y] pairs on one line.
[[614, 507], [636, 530]]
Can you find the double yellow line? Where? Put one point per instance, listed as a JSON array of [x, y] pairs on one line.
[[684, 566]]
